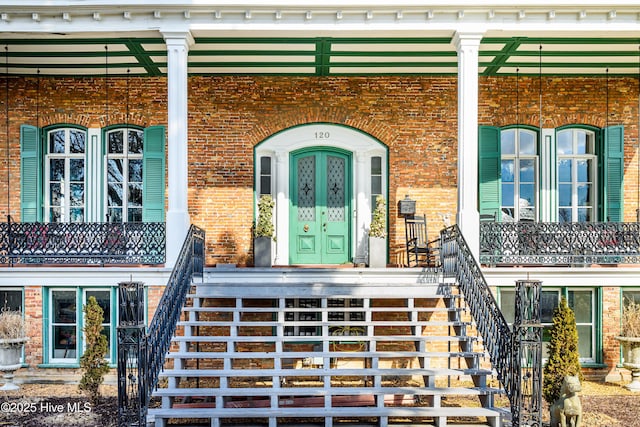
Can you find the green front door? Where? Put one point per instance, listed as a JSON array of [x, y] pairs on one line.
[[320, 219]]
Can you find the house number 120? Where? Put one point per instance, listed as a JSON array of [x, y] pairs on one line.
[[322, 135]]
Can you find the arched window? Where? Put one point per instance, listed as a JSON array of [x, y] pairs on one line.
[[65, 168], [576, 175], [519, 171], [124, 175]]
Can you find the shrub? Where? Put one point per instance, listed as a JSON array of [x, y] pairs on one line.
[[264, 226], [631, 319], [379, 223], [93, 362], [564, 358], [12, 325]]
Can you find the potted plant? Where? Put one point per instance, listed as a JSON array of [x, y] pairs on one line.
[[630, 341], [377, 235], [12, 338], [264, 232]]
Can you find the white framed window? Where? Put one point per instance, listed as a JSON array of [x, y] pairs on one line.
[[65, 167], [519, 171], [124, 168], [576, 175], [66, 321]]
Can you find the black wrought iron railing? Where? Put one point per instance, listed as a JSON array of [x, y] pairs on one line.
[[512, 356], [82, 243], [142, 351], [553, 243]]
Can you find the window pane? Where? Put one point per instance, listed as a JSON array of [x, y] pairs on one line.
[[376, 165], [76, 167], [376, 184], [584, 214], [104, 301], [565, 142], [527, 170], [114, 170], [581, 142], [116, 143], [265, 184], [77, 215], [508, 142], [564, 215], [548, 302], [55, 215], [564, 170], [265, 165], [55, 194], [134, 215], [507, 195], [77, 194], [527, 143], [585, 341], [56, 169], [508, 171], [628, 296], [583, 170], [135, 195], [135, 170], [581, 304], [584, 194], [527, 195], [64, 306], [64, 342], [564, 194], [114, 215], [77, 144], [508, 305], [56, 142], [135, 141], [11, 300], [115, 194]]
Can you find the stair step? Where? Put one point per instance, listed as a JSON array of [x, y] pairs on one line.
[[318, 391], [194, 373], [330, 323], [318, 338], [207, 413], [335, 354]]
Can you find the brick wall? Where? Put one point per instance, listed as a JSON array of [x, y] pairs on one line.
[[416, 117]]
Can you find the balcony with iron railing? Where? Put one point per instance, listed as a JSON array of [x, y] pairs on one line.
[[29, 243], [559, 243]]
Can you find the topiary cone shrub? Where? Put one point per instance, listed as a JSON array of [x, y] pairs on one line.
[[93, 362], [564, 358]]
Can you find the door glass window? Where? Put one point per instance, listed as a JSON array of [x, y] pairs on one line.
[[307, 188], [335, 188]]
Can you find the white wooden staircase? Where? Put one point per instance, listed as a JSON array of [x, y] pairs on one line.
[[346, 349]]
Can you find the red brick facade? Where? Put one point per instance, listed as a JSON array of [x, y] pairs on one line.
[[415, 117]]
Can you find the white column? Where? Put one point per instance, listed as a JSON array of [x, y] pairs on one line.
[[282, 208], [468, 46], [177, 96]]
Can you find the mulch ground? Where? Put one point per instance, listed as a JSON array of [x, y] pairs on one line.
[[53, 405]]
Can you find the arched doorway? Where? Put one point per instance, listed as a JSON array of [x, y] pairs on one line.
[[323, 178]]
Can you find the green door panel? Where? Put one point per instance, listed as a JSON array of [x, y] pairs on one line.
[[320, 205]]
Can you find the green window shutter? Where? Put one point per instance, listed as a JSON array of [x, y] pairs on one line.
[[153, 171], [30, 174], [613, 162], [489, 186]]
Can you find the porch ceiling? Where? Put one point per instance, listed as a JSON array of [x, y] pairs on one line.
[[303, 38]]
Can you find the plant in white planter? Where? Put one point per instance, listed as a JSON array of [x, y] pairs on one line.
[[630, 341], [264, 232], [12, 338], [377, 235]]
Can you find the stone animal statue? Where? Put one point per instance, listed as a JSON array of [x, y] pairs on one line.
[[567, 410]]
